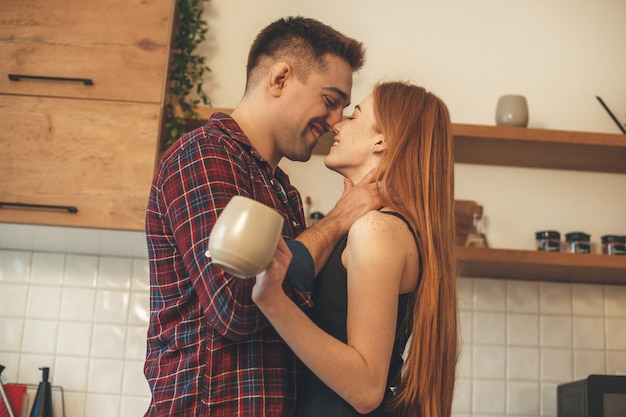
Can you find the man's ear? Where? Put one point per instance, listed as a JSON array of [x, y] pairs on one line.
[[279, 74]]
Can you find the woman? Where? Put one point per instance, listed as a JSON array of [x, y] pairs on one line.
[[393, 275]]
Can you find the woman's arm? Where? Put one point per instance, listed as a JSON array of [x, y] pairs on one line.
[[375, 259]]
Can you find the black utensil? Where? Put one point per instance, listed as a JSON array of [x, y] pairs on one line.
[[617, 122]]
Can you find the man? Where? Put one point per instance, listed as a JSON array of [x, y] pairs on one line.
[[210, 351]]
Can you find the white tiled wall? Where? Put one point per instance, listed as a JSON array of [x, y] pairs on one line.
[[84, 317], [83, 312], [521, 339]]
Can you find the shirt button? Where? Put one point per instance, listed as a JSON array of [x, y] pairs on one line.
[[294, 223]]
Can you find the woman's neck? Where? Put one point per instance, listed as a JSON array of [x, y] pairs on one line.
[[356, 174]]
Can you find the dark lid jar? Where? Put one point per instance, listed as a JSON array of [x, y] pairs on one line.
[[316, 216], [578, 242], [613, 245], [548, 241]]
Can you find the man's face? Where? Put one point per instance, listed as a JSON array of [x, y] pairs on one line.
[[313, 108]]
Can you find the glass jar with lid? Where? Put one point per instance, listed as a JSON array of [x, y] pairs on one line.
[[578, 242], [548, 241], [613, 245]]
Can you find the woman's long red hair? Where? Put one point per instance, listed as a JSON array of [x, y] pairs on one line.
[[417, 179]]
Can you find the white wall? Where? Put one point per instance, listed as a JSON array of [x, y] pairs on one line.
[[560, 54]]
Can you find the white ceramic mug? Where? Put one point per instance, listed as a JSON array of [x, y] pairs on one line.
[[512, 110], [245, 237]]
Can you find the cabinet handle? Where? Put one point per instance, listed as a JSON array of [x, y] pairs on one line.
[[69, 209], [19, 77]]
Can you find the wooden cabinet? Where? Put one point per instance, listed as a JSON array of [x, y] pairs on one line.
[[97, 157], [102, 49], [81, 96]]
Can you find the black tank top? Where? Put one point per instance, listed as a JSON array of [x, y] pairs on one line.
[[330, 295]]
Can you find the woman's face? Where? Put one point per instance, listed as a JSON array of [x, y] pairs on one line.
[[358, 143]]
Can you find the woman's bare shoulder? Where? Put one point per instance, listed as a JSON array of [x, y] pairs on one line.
[[377, 224]]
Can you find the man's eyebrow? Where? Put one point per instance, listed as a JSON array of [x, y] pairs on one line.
[[339, 91]]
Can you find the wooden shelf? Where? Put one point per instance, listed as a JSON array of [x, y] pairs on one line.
[[541, 266], [540, 148]]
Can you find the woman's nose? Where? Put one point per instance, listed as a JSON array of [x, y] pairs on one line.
[[339, 125]]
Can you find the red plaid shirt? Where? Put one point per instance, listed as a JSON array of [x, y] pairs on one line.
[[210, 351]]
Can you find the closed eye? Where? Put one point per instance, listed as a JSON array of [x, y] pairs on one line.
[[330, 102], [357, 109]]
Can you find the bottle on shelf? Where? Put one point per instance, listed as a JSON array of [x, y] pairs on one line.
[[476, 237]]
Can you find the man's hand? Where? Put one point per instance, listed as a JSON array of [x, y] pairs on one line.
[[356, 200]]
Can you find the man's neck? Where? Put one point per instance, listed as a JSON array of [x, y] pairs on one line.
[[255, 125]]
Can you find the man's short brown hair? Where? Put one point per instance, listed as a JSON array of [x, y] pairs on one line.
[[303, 43]]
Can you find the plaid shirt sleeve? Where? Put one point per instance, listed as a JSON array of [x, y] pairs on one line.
[[210, 351], [195, 191]]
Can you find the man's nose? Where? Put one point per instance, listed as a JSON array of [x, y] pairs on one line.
[[334, 117]]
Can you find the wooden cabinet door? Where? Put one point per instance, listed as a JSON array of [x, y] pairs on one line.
[[105, 49], [96, 156]]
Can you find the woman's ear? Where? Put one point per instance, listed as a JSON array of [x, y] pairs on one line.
[[279, 73], [380, 145]]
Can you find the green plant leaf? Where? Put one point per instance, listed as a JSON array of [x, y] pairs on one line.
[[187, 69]]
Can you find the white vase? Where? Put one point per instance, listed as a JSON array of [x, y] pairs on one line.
[[512, 110]]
